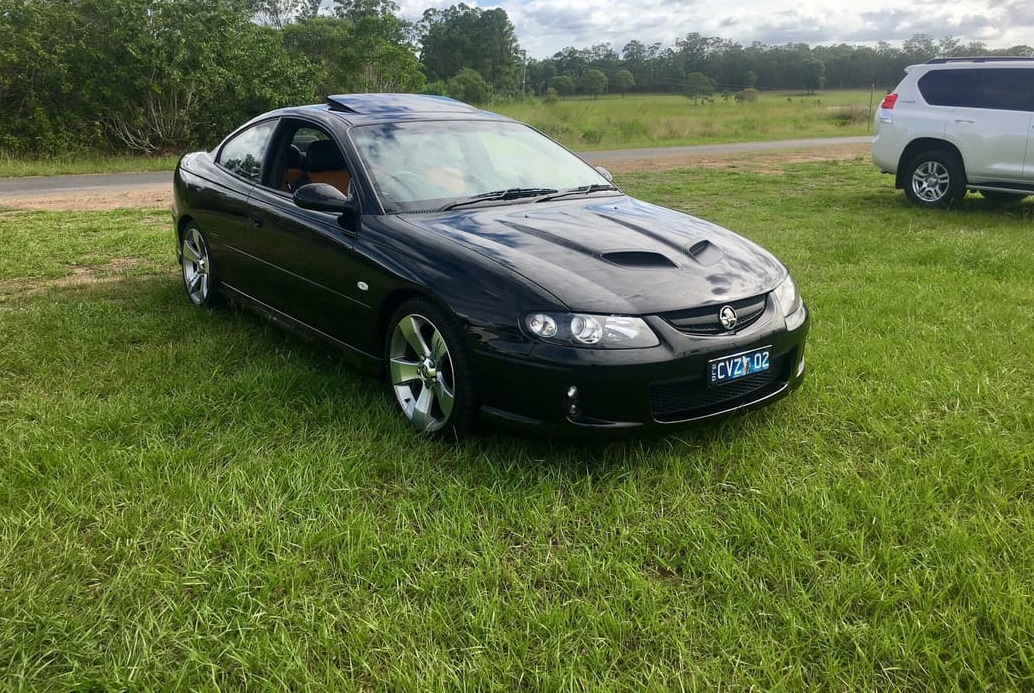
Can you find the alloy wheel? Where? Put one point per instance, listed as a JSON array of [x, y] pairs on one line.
[[422, 374], [196, 266], [931, 181]]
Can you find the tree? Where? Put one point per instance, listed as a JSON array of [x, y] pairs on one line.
[[363, 9], [698, 86], [276, 13], [594, 83], [641, 61], [624, 81], [540, 72], [461, 37], [563, 85], [814, 75], [364, 49]]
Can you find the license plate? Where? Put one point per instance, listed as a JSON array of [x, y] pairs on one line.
[[736, 366]]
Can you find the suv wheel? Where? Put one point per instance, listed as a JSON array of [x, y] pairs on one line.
[[935, 179]]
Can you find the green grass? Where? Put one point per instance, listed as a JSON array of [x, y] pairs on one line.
[[197, 500], [613, 122], [15, 166]]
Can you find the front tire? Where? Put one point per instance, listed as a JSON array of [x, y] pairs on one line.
[[199, 276], [935, 179], [429, 370]]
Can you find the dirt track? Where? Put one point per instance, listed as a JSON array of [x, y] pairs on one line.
[[160, 196]]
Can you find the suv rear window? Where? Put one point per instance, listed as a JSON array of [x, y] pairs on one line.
[[1002, 89]]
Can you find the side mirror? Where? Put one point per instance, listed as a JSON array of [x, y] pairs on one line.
[[323, 197], [605, 173]]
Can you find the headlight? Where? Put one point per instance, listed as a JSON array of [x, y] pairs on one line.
[[791, 304], [595, 331]]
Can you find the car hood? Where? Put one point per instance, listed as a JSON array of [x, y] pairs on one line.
[[618, 255]]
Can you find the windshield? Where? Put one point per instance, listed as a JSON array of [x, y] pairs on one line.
[[429, 165]]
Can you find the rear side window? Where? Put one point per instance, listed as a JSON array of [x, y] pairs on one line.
[[1006, 89], [949, 87], [1001, 89]]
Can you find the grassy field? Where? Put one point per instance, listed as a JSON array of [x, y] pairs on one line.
[[582, 124], [194, 500], [613, 122], [11, 166]]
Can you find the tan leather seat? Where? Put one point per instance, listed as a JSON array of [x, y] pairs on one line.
[[324, 164], [293, 171]]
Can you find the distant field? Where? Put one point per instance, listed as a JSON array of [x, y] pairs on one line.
[[198, 501], [610, 122], [84, 163], [613, 122]]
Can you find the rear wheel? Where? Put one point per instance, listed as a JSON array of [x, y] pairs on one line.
[[199, 276], [935, 179], [429, 369]]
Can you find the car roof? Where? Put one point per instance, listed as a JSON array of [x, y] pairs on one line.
[[375, 108], [963, 62]]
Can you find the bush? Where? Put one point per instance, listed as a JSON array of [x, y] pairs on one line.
[[747, 96], [470, 87], [850, 115]]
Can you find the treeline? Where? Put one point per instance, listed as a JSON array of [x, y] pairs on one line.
[[167, 75]]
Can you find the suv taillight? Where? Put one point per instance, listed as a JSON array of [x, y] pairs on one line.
[[888, 101]]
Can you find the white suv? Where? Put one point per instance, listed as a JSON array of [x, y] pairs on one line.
[[954, 124]]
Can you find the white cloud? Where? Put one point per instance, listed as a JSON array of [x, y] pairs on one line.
[[546, 26]]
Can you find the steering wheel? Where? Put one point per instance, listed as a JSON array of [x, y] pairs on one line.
[[410, 181]]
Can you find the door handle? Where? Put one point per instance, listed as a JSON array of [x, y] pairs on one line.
[[964, 121], [256, 223]]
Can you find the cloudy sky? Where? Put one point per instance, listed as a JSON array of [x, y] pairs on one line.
[[546, 26]]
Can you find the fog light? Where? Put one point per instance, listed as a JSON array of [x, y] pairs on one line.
[[571, 403]]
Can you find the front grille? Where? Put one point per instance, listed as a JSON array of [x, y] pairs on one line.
[[689, 399], [705, 321]]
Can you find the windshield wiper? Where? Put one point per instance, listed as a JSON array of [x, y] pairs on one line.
[[508, 194], [580, 190]]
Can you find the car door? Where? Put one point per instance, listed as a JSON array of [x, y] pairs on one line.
[[314, 274], [1028, 162], [993, 129]]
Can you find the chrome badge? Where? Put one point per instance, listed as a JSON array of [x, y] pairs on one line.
[[728, 317]]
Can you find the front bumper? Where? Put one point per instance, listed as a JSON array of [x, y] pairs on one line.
[[655, 389]]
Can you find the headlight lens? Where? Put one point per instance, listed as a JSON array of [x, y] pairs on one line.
[[791, 303], [596, 331]]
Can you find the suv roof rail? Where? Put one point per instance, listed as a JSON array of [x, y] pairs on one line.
[[980, 59]]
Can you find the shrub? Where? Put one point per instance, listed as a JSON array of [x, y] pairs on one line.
[[849, 115], [747, 96]]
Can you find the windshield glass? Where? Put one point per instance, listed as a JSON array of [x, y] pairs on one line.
[[427, 165]]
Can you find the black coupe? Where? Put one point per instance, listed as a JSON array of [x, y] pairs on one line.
[[484, 269]]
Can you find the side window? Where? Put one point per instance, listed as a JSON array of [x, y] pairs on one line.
[[244, 153], [1006, 89], [311, 156], [949, 87]]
